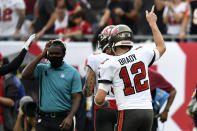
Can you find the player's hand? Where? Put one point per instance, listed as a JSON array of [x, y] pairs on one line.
[[163, 116], [29, 41], [67, 123], [151, 17]]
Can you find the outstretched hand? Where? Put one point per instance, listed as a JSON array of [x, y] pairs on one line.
[[151, 17], [29, 41]]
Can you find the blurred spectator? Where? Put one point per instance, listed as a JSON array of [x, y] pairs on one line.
[[62, 15], [142, 24], [12, 17], [190, 16], [72, 32], [73, 5], [80, 20], [125, 12], [44, 22], [26, 119], [95, 9], [120, 12], [160, 5], [173, 16], [30, 9], [158, 81], [84, 26]]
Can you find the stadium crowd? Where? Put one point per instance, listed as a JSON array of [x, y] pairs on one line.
[[74, 20]]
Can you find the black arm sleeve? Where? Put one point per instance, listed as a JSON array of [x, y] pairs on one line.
[[14, 64]]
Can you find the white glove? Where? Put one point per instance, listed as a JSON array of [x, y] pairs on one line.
[[29, 41]]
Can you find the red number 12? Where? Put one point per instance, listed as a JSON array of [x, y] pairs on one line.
[[129, 89]]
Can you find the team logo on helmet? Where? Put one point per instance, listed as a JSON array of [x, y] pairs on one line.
[[104, 37], [121, 35]]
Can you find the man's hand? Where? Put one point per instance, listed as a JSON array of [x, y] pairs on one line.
[[163, 116], [20, 112], [44, 53], [189, 114], [67, 123], [29, 41], [151, 17], [182, 35], [119, 11], [40, 33]]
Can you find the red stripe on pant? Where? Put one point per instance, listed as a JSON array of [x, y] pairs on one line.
[[120, 123], [94, 120]]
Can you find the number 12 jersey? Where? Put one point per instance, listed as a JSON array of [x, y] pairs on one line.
[[128, 74]]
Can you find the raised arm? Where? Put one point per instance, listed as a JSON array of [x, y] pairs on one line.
[[158, 38], [5, 101], [21, 14], [14, 64], [19, 121], [29, 69]]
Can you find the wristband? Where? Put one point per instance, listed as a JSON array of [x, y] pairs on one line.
[[104, 105]]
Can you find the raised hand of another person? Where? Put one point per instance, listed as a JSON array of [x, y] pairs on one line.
[[29, 41]]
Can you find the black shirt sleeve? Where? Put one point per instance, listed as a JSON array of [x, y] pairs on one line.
[[14, 65], [49, 6]]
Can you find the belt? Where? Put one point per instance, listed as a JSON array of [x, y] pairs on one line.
[[52, 114]]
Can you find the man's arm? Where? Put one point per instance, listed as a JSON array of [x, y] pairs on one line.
[[105, 18], [28, 72], [21, 19], [67, 122], [18, 124], [49, 24], [90, 82], [76, 97], [160, 4], [14, 64], [100, 98], [164, 114], [158, 38], [6, 102], [133, 13], [184, 22], [101, 94]]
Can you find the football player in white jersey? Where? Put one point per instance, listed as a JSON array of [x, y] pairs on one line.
[[104, 119], [127, 73], [12, 16]]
